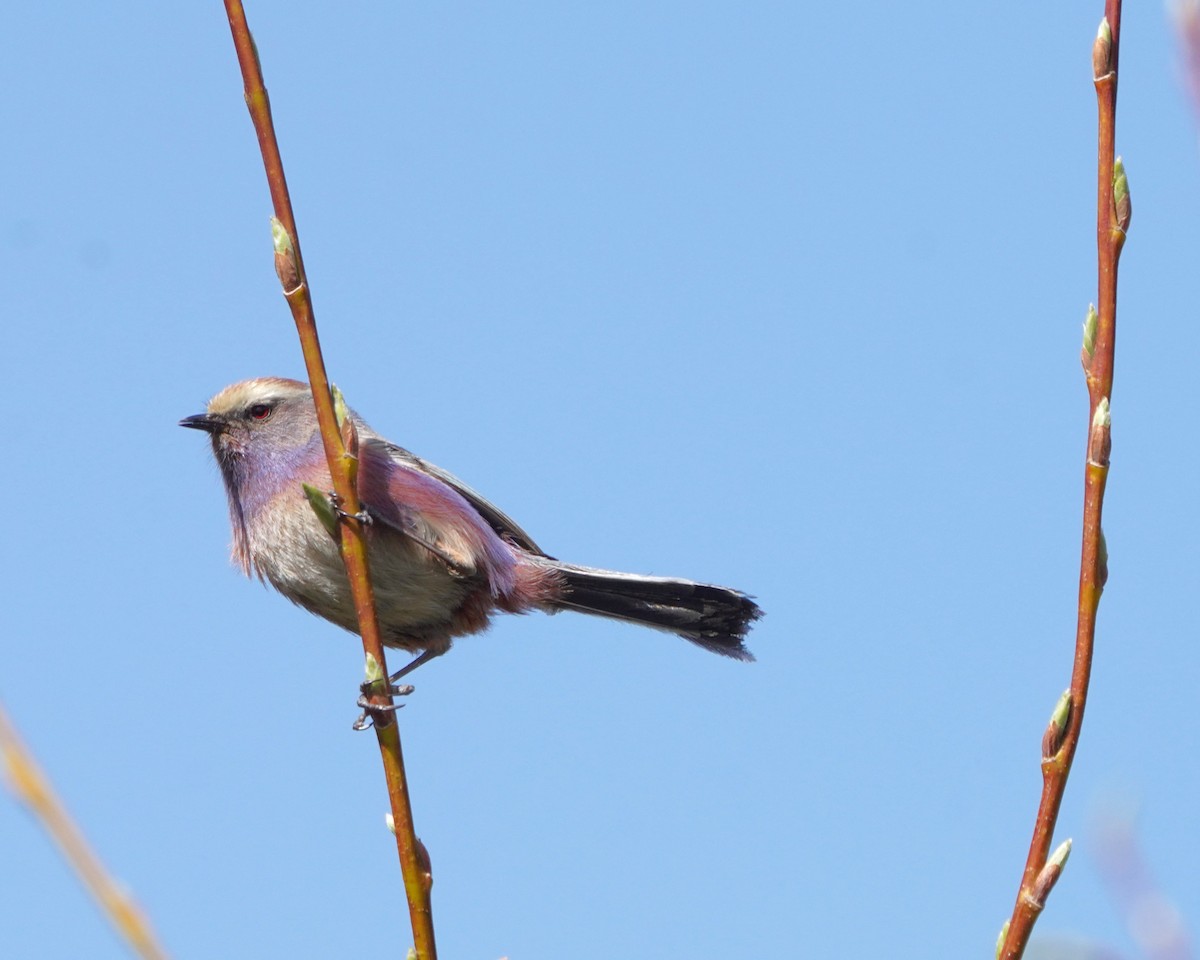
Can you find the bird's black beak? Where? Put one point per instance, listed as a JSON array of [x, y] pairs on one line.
[[203, 421]]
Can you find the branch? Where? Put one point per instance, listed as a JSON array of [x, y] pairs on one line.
[[33, 789], [341, 446], [1099, 339]]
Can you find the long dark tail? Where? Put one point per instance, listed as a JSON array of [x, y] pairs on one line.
[[715, 618]]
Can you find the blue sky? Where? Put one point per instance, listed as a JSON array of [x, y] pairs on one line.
[[781, 296]]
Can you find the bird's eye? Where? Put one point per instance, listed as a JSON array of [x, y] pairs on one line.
[[260, 411]]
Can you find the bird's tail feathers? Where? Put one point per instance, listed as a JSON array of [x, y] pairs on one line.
[[715, 618]]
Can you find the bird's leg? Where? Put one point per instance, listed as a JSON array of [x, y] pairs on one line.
[[417, 661], [397, 690]]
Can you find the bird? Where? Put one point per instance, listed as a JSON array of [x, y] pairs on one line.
[[442, 558]]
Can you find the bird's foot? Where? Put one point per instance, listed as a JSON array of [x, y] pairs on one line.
[[370, 711], [335, 501]]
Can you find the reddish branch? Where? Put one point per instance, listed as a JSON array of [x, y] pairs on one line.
[[414, 861], [1062, 736]]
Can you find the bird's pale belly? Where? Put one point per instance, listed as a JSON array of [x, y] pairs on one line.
[[416, 596]]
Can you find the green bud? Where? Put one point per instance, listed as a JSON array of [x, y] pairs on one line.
[[1056, 729], [319, 501], [1048, 876], [1061, 854], [1090, 322], [340, 410], [281, 239], [1121, 195], [348, 432]]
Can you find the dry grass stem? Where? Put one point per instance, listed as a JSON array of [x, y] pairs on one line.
[[32, 788]]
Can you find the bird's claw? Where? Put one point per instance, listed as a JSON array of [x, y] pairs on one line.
[[369, 709], [335, 501]]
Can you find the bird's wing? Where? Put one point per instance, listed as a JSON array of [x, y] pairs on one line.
[[496, 518]]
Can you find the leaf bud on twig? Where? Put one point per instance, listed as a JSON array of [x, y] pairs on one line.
[[1102, 51], [348, 432], [287, 268], [319, 501], [1121, 201], [1003, 936], [372, 669], [1048, 877], [425, 864], [1100, 436], [1056, 729], [340, 410], [1090, 323]]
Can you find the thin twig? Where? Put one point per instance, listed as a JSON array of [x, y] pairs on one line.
[[33, 789], [1099, 340], [343, 464]]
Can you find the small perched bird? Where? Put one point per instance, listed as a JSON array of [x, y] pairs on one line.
[[442, 558]]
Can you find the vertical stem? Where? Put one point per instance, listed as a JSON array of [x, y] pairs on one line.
[[1112, 220], [342, 465]]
